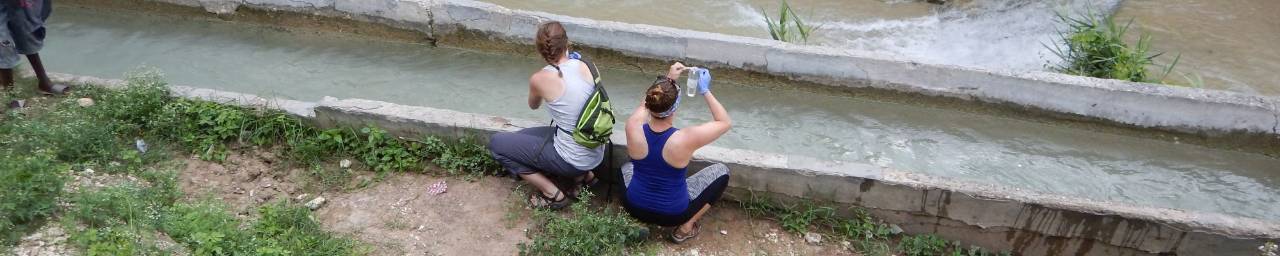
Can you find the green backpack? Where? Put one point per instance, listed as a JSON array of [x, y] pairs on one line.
[[595, 123]]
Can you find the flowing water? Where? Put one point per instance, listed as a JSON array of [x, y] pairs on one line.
[[1015, 152], [1231, 45]]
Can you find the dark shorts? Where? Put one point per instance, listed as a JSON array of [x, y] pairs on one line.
[[705, 187], [23, 31], [531, 151]]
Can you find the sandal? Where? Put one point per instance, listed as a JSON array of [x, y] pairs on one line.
[[538, 200], [677, 238], [56, 89]]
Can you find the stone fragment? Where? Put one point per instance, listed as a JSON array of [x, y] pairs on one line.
[[315, 203], [812, 238]]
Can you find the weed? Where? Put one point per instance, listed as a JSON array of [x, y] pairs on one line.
[[465, 157], [29, 185], [922, 245], [789, 27], [588, 232], [383, 153], [1096, 48]]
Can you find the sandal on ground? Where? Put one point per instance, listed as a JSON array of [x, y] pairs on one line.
[[56, 89], [538, 200], [677, 238]]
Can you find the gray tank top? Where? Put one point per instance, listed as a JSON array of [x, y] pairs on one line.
[[564, 113]]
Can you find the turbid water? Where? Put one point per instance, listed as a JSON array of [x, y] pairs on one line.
[[1032, 155], [1232, 45]]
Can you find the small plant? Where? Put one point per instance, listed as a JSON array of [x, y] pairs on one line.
[[789, 27], [464, 156], [922, 245], [29, 187], [1269, 249], [1095, 47], [588, 232]]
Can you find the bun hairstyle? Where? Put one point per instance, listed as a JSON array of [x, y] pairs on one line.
[[552, 43], [661, 96]]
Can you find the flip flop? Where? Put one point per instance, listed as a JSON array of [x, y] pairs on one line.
[[58, 89]]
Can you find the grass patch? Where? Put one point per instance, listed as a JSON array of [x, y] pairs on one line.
[[789, 27], [868, 235], [40, 145], [585, 231], [1096, 47]]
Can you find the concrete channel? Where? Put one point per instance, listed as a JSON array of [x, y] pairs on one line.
[[994, 217]]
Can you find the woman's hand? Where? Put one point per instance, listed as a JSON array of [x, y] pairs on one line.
[[675, 70]]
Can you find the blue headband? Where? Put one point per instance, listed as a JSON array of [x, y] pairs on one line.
[[675, 106]]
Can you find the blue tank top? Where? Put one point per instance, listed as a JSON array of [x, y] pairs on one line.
[[657, 186]]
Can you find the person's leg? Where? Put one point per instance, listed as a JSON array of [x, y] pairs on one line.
[[8, 51], [27, 31], [520, 152], [705, 188]]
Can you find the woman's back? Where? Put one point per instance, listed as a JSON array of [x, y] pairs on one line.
[[564, 111], [656, 185]]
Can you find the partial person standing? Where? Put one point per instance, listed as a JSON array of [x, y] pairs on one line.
[[23, 33]]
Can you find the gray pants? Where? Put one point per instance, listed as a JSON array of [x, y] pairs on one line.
[[698, 183], [23, 29], [531, 151]]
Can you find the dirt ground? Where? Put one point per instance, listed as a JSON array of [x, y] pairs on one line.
[[396, 215]]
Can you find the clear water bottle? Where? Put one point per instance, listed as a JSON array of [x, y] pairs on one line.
[[691, 84]]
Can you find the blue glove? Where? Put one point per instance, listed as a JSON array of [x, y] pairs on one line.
[[704, 81], [574, 55]]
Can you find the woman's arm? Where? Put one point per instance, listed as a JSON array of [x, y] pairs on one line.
[[701, 135], [637, 148], [535, 98]]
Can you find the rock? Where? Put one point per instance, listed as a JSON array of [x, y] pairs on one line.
[[724, 232], [895, 229], [85, 102], [17, 104], [88, 171], [344, 163], [300, 197], [693, 252], [812, 238], [315, 203], [846, 244]]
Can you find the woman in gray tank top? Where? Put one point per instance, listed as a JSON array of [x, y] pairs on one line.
[[540, 154]]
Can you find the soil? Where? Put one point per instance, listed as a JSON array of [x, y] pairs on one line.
[[396, 215]]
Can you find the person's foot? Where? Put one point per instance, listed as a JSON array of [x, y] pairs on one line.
[[554, 202], [55, 89], [678, 235]]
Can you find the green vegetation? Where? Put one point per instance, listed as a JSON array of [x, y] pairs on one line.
[[586, 231], [41, 146], [868, 236], [1095, 47], [789, 27]]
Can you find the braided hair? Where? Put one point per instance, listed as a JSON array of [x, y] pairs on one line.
[[552, 43]]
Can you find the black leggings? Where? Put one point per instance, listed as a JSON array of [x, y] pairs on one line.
[[708, 184]]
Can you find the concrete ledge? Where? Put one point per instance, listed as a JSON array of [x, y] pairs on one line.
[[1186, 110], [994, 217]]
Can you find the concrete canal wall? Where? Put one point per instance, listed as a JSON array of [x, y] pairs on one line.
[[993, 217]]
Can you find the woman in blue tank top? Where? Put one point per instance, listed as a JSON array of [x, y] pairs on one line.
[[658, 190]]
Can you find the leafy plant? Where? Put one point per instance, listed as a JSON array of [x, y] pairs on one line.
[[789, 27], [588, 232], [464, 157], [29, 186], [383, 153], [1095, 47], [922, 245]]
